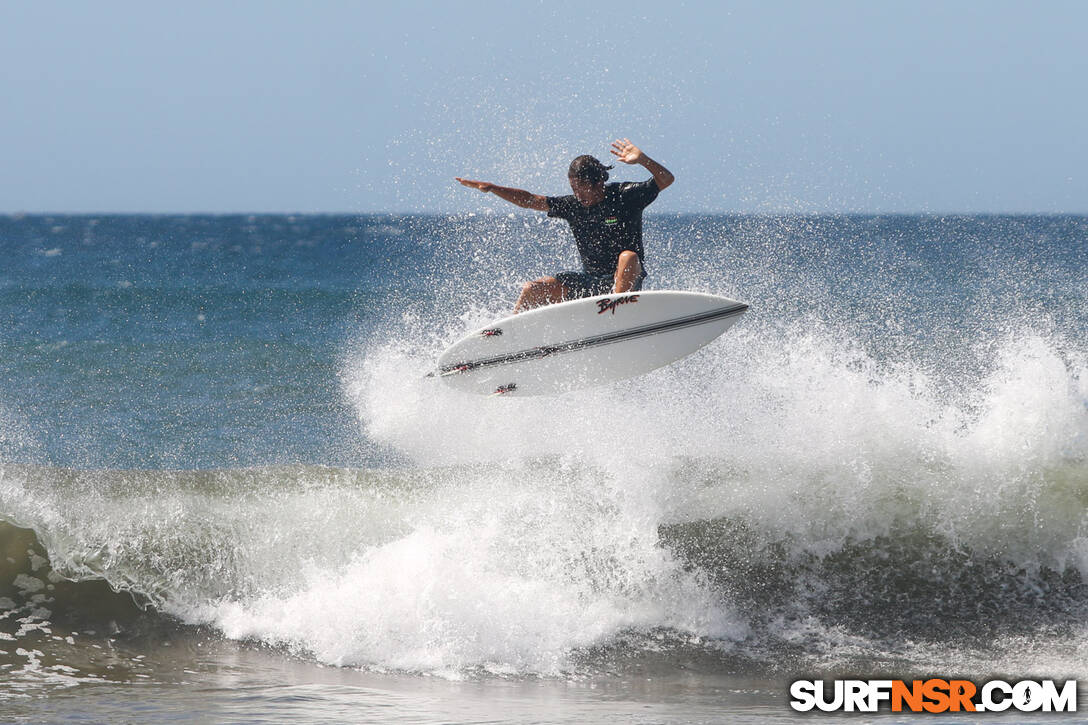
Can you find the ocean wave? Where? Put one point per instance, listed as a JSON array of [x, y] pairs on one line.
[[786, 498], [546, 566], [435, 571]]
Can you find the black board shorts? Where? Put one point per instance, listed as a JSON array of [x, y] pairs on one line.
[[586, 284]]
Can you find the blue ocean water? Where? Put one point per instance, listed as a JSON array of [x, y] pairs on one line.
[[882, 467]]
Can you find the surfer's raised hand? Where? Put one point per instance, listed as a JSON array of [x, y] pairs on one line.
[[626, 151], [483, 186]]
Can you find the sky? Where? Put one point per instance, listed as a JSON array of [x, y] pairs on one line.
[[364, 107]]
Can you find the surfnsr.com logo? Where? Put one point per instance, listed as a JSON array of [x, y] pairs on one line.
[[933, 695]]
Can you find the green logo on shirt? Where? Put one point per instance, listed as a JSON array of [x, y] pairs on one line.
[[611, 220]]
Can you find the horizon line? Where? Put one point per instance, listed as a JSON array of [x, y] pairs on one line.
[[488, 213]]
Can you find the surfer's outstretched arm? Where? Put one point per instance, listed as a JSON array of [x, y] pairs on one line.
[[628, 153], [524, 199]]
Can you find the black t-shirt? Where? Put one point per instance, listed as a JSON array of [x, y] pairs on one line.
[[604, 230]]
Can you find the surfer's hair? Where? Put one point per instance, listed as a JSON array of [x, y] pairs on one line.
[[589, 169]]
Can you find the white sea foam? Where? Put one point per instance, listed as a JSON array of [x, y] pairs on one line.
[[823, 441], [509, 572], [806, 437]]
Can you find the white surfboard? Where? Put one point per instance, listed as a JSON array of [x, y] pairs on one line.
[[585, 342]]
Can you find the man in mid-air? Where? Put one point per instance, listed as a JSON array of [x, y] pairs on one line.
[[606, 220]]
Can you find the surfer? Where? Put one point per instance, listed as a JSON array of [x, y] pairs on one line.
[[606, 220]]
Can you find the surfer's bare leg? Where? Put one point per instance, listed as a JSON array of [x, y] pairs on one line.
[[628, 270], [539, 292]]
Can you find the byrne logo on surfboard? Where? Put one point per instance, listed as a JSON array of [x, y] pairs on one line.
[[609, 305]]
